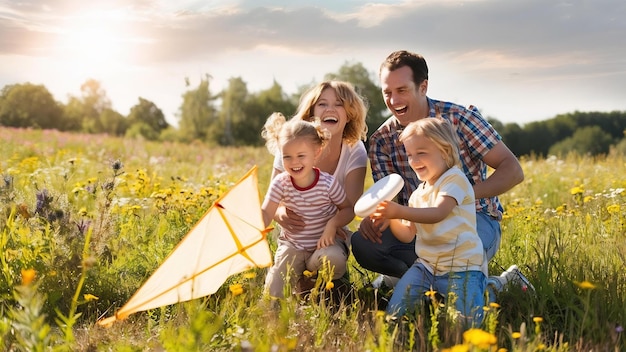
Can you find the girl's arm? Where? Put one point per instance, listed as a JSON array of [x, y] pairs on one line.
[[431, 215], [268, 208]]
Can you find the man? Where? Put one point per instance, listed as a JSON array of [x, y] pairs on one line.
[[404, 80]]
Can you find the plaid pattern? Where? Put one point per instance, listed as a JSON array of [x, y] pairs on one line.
[[476, 135]]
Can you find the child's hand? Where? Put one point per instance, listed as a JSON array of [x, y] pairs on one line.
[[328, 237], [386, 210]]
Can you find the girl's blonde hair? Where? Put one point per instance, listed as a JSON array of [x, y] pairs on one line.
[[277, 131], [355, 105], [440, 132]]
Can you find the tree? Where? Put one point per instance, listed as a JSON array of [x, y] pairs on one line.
[[197, 113], [590, 140], [148, 114], [358, 75], [258, 108], [29, 105], [113, 122], [232, 114], [94, 102]]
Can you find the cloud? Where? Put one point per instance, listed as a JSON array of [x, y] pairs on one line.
[[498, 48]]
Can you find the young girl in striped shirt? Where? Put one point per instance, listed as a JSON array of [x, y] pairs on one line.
[[303, 188]]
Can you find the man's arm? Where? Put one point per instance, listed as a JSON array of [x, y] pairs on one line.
[[506, 175]]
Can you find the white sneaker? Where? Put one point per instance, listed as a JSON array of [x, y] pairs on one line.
[[389, 281], [514, 275]]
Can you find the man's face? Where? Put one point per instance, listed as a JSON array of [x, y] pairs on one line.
[[405, 101]]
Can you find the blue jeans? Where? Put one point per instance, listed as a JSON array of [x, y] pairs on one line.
[[468, 286], [393, 257]]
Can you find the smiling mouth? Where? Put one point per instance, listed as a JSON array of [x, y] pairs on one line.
[[401, 110], [330, 119]]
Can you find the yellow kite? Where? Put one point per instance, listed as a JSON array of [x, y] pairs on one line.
[[228, 239]]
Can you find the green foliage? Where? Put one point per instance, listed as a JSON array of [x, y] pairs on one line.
[[537, 138], [149, 117], [590, 140], [198, 116], [28, 105]]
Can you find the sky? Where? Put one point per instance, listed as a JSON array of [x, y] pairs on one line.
[[516, 60]]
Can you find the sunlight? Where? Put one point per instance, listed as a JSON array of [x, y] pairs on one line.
[[92, 44]]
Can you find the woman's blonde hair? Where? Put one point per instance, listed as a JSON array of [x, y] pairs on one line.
[[277, 131], [440, 132], [355, 105]]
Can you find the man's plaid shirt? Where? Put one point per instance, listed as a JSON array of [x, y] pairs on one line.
[[476, 136]]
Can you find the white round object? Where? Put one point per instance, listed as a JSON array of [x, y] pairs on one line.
[[384, 189]]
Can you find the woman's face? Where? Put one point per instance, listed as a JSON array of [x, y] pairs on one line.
[[331, 112]]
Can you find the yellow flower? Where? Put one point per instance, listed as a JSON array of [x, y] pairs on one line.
[[89, 297], [502, 349], [587, 199], [576, 190], [613, 209], [457, 348], [249, 275], [585, 285], [236, 289], [28, 276], [479, 338], [308, 273], [329, 285], [494, 305], [537, 319], [516, 335], [430, 293]]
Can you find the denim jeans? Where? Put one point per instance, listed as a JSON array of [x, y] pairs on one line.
[[468, 287], [393, 257]]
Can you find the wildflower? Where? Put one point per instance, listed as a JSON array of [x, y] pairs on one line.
[[28, 276], [89, 297], [236, 289], [249, 275], [576, 190], [494, 305], [457, 348], [619, 329], [502, 349], [479, 338], [116, 165], [308, 273], [82, 211], [516, 335], [537, 319], [587, 199], [561, 208], [585, 285], [613, 209], [329, 285], [430, 293]]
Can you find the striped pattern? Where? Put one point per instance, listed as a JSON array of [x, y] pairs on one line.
[[316, 205], [476, 135], [451, 245]]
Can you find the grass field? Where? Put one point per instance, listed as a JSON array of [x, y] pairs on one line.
[[85, 219]]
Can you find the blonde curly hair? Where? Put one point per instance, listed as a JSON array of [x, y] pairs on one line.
[[277, 131]]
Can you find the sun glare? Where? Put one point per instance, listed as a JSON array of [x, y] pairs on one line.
[[91, 44]]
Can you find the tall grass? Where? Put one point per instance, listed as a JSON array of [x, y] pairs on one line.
[[85, 219]]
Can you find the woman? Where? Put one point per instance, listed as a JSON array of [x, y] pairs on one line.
[[342, 112]]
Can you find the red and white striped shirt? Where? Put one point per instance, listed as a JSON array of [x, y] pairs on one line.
[[316, 205]]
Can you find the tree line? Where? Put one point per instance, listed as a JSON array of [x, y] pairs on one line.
[[234, 116]]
